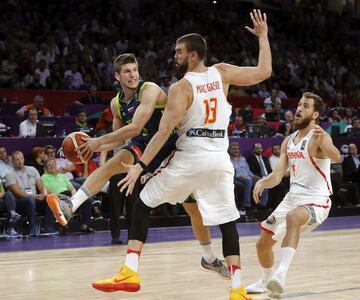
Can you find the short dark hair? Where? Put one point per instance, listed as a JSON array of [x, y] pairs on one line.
[[123, 59], [194, 42], [318, 103]]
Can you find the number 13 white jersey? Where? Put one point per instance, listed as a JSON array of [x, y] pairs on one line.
[[205, 122]]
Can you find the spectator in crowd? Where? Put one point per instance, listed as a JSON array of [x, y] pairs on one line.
[[69, 83], [351, 171], [104, 124], [58, 183], [274, 158], [287, 126], [38, 158], [273, 99], [334, 116], [243, 174], [38, 104], [351, 164], [8, 205], [5, 162], [85, 169], [81, 122], [347, 118], [92, 97], [77, 76], [28, 127], [295, 70], [44, 55], [339, 100], [24, 182], [355, 123], [237, 127], [260, 166], [43, 72], [263, 91], [65, 166]]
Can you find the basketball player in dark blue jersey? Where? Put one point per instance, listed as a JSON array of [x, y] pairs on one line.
[[137, 112]]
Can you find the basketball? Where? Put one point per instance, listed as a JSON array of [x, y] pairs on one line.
[[70, 143]]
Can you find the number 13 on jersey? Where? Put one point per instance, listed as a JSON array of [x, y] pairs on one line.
[[210, 110]]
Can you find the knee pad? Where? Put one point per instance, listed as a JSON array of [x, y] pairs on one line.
[[140, 221], [230, 239]]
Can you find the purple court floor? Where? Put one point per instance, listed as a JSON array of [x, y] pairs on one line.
[[164, 234]]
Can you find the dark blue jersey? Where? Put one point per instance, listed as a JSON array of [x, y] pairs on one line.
[[138, 143]]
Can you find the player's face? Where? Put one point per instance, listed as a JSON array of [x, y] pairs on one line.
[[128, 76], [181, 58], [305, 113]]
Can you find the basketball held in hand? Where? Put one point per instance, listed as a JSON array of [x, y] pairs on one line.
[[71, 143]]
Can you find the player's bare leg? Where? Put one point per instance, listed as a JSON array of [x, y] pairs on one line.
[[266, 258], [209, 262], [294, 220], [92, 185]]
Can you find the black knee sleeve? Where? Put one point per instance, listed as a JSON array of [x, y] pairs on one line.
[[230, 239], [140, 221]]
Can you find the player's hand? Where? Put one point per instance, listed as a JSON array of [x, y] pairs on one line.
[[129, 181], [259, 22], [319, 134], [87, 149], [257, 192]]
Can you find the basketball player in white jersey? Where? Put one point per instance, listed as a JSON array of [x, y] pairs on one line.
[[308, 153], [201, 165]]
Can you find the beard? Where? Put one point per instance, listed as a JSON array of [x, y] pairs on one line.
[[181, 69], [303, 124]]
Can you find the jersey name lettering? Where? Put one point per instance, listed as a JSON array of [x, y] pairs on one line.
[[208, 87]]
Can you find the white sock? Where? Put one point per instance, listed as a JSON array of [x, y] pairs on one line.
[[208, 253], [132, 260], [79, 198], [235, 272], [286, 257], [267, 273]]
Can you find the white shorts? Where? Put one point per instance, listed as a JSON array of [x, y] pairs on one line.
[[318, 206], [205, 174]]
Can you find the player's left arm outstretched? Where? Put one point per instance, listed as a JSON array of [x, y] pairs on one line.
[[326, 145], [179, 94]]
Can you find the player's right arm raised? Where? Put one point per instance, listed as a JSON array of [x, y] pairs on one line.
[[275, 177], [245, 76]]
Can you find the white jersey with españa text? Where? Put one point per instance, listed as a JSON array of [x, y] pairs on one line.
[[308, 175], [204, 125]]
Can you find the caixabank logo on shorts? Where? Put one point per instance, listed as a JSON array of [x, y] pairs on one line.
[[205, 132]]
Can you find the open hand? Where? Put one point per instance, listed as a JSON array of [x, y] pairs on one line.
[[129, 181], [259, 21]]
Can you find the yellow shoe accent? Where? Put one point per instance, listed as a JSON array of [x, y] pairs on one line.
[[240, 294], [126, 280]]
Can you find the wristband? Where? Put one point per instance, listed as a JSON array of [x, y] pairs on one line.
[[142, 164]]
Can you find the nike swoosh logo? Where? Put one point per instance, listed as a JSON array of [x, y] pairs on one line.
[[121, 280]]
